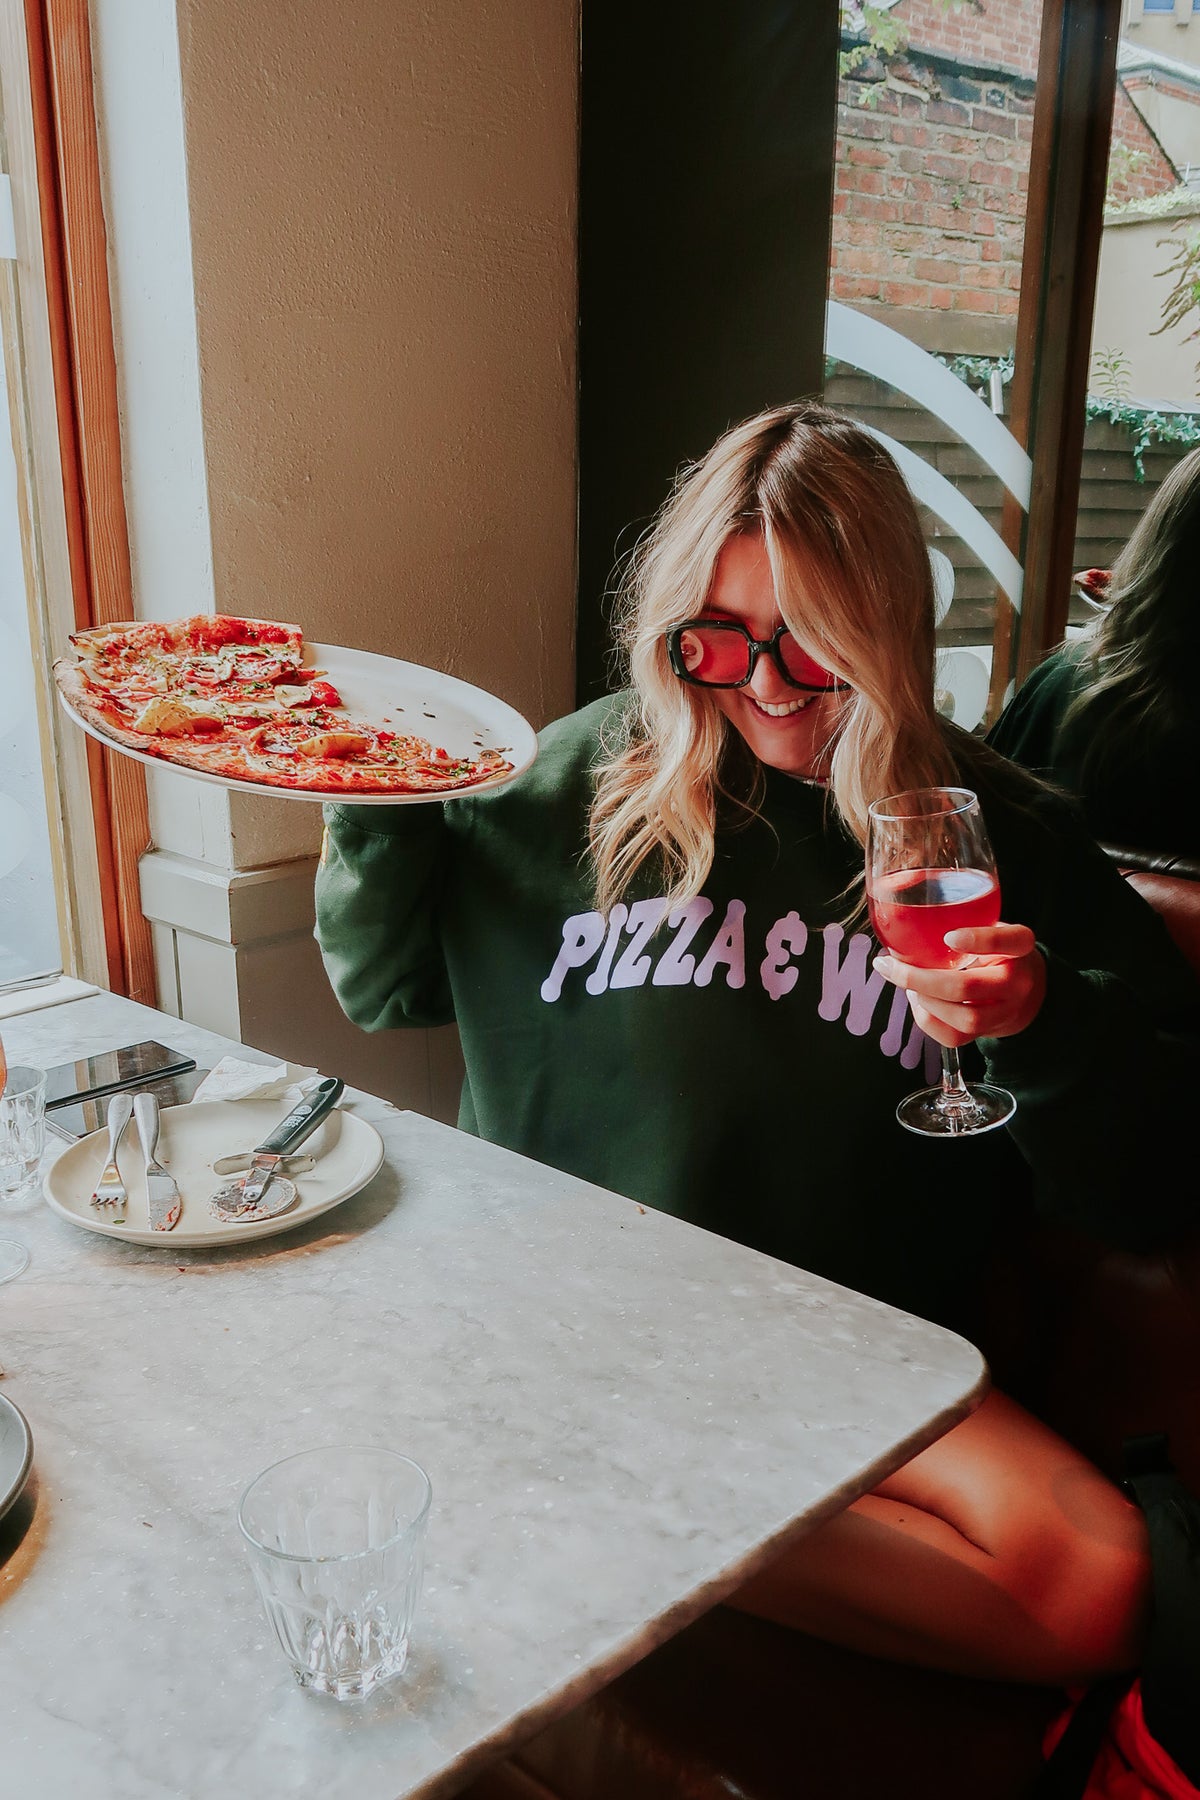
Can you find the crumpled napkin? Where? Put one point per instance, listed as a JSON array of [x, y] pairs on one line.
[[233, 1079]]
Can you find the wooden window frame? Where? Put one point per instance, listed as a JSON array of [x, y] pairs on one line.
[[74, 247], [1072, 125]]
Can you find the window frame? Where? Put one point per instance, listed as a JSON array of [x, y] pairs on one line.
[[70, 467]]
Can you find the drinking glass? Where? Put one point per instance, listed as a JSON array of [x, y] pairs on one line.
[[14, 1260], [22, 1132], [337, 1540], [930, 870]]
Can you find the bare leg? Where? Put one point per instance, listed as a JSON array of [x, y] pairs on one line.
[[998, 1552]]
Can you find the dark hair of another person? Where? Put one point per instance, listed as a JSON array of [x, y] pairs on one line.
[[1142, 657]]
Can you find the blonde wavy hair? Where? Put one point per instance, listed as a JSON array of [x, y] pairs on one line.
[[852, 582]]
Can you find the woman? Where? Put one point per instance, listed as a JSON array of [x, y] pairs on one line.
[[652, 946], [1113, 716]]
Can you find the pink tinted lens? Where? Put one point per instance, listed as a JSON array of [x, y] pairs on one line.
[[711, 654], [802, 667]]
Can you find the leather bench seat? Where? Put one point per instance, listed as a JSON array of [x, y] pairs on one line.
[[1102, 1344]]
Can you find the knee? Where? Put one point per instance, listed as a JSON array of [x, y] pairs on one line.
[[1088, 1594]]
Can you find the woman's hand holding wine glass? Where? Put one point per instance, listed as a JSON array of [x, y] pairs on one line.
[[934, 897], [996, 994]]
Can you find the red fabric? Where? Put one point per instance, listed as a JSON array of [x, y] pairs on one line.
[[1132, 1764]]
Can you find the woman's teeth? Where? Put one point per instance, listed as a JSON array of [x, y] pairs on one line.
[[788, 706]]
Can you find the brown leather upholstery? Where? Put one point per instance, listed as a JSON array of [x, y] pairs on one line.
[[1177, 898], [1106, 1344]]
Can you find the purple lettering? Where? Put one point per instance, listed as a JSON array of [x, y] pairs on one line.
[[728, 948], [597, 981], [787, 937], [583, 934], [632, 967], [845, 983], [674, 969]]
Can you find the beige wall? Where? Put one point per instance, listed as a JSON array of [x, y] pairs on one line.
[[382, 201], [356, 220], [1168, 33], [1130, 292], [1174, 122]]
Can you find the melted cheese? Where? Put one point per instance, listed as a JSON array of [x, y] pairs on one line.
[[171, 717]]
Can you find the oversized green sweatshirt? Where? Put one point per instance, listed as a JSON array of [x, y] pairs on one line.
[[740, 1065]]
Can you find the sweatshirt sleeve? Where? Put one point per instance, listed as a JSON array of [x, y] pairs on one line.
[[1105, 1078], [379, 882], [1027, 728]]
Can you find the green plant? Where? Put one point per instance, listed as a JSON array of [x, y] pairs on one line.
[[1184, 297], [1110, 372], [1157, 206], [1123, 163], [877, 31]]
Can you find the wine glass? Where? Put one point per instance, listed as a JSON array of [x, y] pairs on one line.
[[14, 1257], [930, 870]]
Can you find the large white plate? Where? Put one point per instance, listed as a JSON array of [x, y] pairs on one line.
[[16, 1453], [452, 714], [349, 1152]]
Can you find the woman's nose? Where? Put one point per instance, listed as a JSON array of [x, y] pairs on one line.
[[767, 683]]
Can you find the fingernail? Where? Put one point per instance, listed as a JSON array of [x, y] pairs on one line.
[[884, 964]]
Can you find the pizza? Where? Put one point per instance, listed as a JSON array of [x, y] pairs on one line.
[[233, 698], [1094, 582]]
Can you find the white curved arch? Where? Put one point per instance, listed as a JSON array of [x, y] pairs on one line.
[[956, 511], [867, 344]]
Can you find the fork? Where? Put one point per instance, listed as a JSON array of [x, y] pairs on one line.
[[110, 1195]]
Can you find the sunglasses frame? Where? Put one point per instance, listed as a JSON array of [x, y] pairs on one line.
[[757, 647]]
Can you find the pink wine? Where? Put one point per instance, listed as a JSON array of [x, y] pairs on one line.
[[914, 909]]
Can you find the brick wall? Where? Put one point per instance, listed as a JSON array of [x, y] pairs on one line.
[[933, 170], [931, 184], [1138, 164], [995, 34]]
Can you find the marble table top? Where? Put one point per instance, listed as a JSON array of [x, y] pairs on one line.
[[622, 1416]]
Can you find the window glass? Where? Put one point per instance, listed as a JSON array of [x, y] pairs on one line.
[[935, 127], [29, 939], [1143, 408]]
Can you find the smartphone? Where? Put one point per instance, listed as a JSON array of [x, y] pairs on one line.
[[85, 1116], [114, 1069]]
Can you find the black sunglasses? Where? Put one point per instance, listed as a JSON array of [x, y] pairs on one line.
[[722, 653]]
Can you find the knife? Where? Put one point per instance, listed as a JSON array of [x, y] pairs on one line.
[[290, 1132], [162, 1193]]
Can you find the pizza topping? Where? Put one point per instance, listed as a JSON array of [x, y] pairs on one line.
[[335, 743], [172, 716]]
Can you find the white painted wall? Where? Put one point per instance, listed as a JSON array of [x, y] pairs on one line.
[[1130, 290]]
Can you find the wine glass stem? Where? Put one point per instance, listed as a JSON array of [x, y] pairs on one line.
[[955, 1092]]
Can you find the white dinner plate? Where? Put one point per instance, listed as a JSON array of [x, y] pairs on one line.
[[379, 690], [16, 1453], [348, 1150]]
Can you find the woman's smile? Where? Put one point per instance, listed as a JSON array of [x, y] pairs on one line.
[[786, 709], [787, 728]]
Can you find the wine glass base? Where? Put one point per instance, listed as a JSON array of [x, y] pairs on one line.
[[931, 1114], [14, 1258]]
